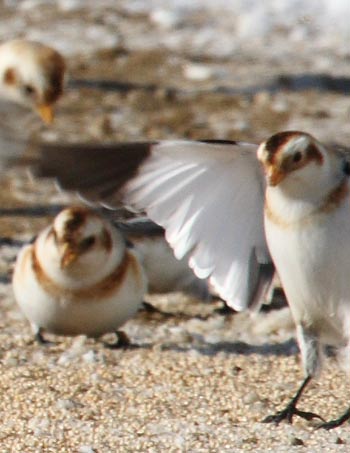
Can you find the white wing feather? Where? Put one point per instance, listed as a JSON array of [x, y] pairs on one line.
[[209, 198]]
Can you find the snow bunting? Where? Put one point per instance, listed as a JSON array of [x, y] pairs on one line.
[[232, 206], [78, 277], [164, 272], [31, 74]]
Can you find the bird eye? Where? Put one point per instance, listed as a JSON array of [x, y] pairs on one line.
[[87, 243], [297, 157], [28, 90]]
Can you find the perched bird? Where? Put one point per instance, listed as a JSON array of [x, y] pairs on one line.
[[78, 277], [232, 207], [31, 75], [164, 272]]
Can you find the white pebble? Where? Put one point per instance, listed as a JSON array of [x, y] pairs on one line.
[[66, 404], [251, 397], [86, 449], [197, 72], [164, 18], [70, 5], [241, 125], [90, 357], [31, 4], [280, 105]]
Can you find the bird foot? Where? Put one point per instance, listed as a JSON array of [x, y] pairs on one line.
[[288, 414]]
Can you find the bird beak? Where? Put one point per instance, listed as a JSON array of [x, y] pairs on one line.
[[274, 175], [69, 255], [45, 112]]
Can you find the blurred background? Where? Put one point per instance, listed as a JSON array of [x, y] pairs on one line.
[[161, 69], [239, 69]]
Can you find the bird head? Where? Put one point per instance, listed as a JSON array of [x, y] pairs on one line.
[[291, 153], [83, 240], [32, 75]]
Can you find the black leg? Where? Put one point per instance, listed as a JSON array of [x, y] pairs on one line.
[[291, 409], [337, 422], [149, 308], [123, 341], [38, 337]]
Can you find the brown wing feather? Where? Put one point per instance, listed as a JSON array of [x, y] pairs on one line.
[[96, 171]]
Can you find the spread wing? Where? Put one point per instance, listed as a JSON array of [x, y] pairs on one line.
[[208, 196]]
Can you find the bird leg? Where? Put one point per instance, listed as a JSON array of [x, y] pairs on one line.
[[39, 338], [291, 409]]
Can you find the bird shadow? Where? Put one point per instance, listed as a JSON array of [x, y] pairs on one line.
[[282, 82], [287, 348]]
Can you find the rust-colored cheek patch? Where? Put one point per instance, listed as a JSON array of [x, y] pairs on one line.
[[276, 142], [313, 153], [336, 196], [9, 76], [54, 67]]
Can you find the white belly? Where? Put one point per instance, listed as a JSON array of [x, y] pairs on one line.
[[313, 262], [69, 316]]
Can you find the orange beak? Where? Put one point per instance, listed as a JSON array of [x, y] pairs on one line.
[[274, 175], [68, 257], [45, 112]]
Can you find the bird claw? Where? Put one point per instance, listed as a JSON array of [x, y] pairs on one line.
[[288, 413], [336, 422], [329, 425]]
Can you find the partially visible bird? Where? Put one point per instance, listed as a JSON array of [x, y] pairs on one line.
[[79, 277], [164, 272], [31, 80], [231, 212], [32, 75]]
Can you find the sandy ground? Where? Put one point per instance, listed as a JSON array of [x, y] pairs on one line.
[[196, 381]]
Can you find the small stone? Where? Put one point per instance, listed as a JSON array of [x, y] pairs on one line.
[[165, 18], [90, 357], [250, 398], [241, 125], [86, 449], [339, 441], [295, 441], [65, 404], [197, 72], [280, 105]]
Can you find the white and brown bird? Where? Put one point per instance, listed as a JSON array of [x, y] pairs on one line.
[[164, 272], [31, 75], [31, 80], [79, 277], [232, 207]]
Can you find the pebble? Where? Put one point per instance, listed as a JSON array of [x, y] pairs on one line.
[[86, 449], [165, 18], [296, 442], [197, 72]]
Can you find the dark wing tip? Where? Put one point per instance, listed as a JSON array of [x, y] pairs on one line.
[[140, 227], [95, 171]]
